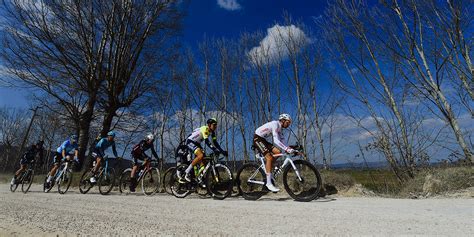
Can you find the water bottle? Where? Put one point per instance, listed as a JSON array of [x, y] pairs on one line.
[[140, 174], [277, 170]]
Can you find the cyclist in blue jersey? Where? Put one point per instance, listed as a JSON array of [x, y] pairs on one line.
[[99, 151], [64, 152]]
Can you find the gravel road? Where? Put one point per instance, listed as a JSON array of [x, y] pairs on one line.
[[37, 214]]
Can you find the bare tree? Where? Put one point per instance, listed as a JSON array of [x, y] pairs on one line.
[[141, 44]]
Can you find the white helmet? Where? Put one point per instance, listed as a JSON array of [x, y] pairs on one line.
[[285, 117], [150, 137]]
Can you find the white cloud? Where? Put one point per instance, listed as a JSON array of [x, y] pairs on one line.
[[279, 42], [230, 5]]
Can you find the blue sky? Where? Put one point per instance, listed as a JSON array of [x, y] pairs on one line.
[[210, 18]]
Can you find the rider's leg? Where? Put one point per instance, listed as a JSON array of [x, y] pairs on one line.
[[97, 164], [199, 156], [95, 169], [19, 171], [269, 167], [53, 171]]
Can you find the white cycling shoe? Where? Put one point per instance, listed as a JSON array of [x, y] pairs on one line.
[[272, 188], [13, 181], [92, 180]]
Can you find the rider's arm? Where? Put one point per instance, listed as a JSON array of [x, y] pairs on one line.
[[114, 149], [279, 141], [153, 152], [41, 155], [63, 153], [216, 144]]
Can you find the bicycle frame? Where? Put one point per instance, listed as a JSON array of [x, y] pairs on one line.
[[58, 174], [287, 161], [106, 166]]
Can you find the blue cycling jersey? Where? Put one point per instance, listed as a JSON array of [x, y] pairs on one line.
[[104, 143], [68, 146]]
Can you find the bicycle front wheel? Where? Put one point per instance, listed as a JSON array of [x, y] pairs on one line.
[[151, 181], [106, 181], [304, 182], [125, 180], [251, 181], [27, 180], [219, 181], [64, 182], [85, 184], [14, 186]]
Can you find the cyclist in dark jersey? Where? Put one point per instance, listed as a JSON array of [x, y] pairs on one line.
[[29, 157], [138, 153]]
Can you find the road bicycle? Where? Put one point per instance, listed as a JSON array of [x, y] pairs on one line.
[[63, 178], [214, 179], [301, 179], [105, 178], [25, 178], [148, 175]]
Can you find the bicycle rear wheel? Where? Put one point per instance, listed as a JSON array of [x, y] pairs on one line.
[[305, 189], [27, 180], [125, 180], [106, 181], [151, 181], [179, 190], [85, 184], [167, 180], [64, 182], [251, 181], [220, 183]]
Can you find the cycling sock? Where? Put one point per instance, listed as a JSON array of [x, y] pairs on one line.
[[190, 167], [269, 178]]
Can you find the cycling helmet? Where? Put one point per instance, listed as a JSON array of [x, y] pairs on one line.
[[211, 121], [111, 133], [150, 137], [285, 117], [73, 138]]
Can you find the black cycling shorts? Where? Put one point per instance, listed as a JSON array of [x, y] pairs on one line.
[[142, 157], [262, 145]]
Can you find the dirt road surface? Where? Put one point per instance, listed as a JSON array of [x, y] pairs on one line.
[[51, 214]]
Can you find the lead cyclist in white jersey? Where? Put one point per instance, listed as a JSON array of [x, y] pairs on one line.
[[272, 129]]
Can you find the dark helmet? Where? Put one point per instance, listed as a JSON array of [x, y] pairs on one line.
[[212, 121]]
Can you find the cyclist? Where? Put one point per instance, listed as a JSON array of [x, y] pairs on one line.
[[62, 153], [193, 142], [29, 157], [138, 153], [274, 129], [99, 152]]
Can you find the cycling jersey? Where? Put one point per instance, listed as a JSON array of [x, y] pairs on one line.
[[103, 144], [273, 129], [67, 146], [31, 153], [138, 151], [204, 133]]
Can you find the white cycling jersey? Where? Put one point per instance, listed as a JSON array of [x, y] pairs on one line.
[[273, 128]]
